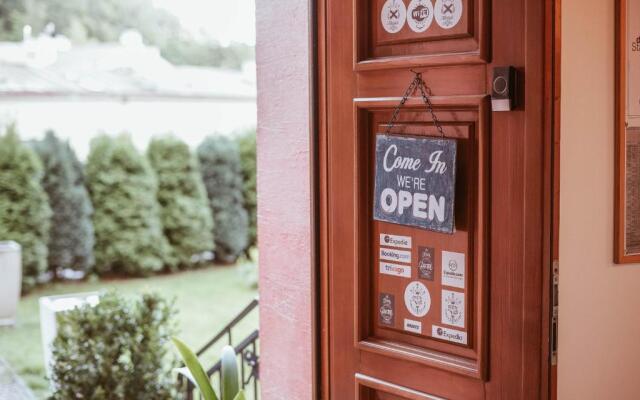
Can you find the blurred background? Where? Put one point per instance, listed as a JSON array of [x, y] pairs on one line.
[[127, 193]]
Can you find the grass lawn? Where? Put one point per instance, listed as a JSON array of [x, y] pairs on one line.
[[206, 300]]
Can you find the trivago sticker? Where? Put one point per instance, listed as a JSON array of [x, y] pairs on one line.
[[402, 271], [450, 335]]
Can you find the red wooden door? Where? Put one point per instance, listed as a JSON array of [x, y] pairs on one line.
[[484, 332]]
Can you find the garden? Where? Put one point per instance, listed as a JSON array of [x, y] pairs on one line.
[[166, 237]]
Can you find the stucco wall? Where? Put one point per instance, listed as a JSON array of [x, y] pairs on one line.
[[285, 223], [600, 302]]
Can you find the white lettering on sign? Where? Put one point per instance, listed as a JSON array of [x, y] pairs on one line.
[[453, 269], [403, 242], [403, 271], [420, 205], [450, 335], [436, 165], [413, 326], [395, 255]]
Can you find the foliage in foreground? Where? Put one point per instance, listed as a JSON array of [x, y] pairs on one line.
[[24, 208], [126, 219], [185, 213], [229, 382], [71, 237], [247, 145], [222, 175], [116, 350]]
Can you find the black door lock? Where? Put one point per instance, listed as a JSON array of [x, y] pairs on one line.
[[504, 87]]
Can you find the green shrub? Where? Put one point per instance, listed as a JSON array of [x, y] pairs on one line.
[[247, 145], [222, 175], [126, 216], [116, 350], [24, 209], [71, 235], [186, 216]]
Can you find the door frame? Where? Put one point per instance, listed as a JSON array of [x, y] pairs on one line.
[[550, 228]]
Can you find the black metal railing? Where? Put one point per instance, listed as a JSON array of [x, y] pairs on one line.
[[248, 357]]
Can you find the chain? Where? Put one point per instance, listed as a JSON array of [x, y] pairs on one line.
[[418, 83]]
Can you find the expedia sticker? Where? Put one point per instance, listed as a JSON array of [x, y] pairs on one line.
[[417, 299], [413, 326], [453, 308], [395, 255], [387, 309], [403, 242], [420, 15], [402, 271], [425, 263], [393, 15], [453, 269], [450, 335], [448, 13]]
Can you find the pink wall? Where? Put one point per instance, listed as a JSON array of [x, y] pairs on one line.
[[284, 56], [599, 302]]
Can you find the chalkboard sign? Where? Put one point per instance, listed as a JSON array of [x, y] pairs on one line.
[[415, 182]]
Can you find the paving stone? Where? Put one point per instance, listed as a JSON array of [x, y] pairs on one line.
[[11, 386]]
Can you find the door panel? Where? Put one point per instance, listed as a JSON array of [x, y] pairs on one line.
[[489, 346]]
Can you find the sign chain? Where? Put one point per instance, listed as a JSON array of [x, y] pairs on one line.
[[417, 83]]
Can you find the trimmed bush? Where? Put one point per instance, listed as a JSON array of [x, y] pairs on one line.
[[222, 175], [247, 145], [24, 209], [71, 237], [185, 212], [116, 350], [126, 216]]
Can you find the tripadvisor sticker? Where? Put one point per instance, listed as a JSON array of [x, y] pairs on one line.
[[415, 181]]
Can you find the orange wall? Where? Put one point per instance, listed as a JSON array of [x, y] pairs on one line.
[[599, 301]]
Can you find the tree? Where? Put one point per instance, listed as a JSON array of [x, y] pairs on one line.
[[126, 214], [24, 209], [185, 212], [247, 145], [222, 174], [71, 237]]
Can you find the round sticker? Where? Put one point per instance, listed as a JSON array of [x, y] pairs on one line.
[[393, 16], [448, 13], [417, 299], [420, 15]]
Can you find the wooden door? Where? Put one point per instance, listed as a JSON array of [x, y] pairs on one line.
[[495, 346]]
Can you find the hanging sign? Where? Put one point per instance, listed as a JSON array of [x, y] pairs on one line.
[[415, 182]]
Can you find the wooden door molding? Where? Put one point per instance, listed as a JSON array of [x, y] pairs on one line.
[[471, 116]]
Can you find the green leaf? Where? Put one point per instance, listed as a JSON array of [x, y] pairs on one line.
[[191, 361], [240, 396], [230, 382]]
